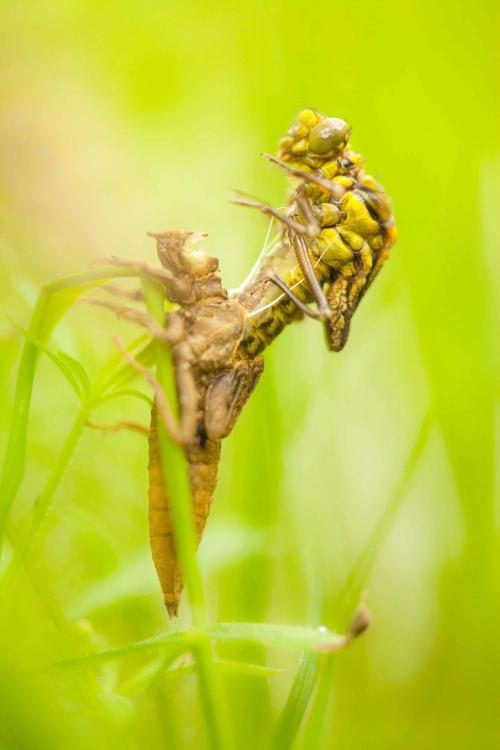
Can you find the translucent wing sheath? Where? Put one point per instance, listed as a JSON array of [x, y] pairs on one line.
[[336, 234]]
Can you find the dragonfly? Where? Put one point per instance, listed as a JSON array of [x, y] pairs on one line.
[[335, 234]]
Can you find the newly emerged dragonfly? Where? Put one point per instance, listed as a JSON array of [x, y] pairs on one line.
[[336, 234]]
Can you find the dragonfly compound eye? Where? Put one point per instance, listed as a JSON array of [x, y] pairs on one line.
[[329, 135]]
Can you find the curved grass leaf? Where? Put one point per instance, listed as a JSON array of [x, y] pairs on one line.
[[291, 637], [64, 363], [178, 642], [312, 738], [117, 373], [290, 719], [132, 579], [53, 301], [78, 370], [156, 672], [298, 699]]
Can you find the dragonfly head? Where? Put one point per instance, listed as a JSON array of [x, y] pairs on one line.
[[329, 136], [313, 139]]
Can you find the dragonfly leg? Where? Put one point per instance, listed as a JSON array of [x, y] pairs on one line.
[[304, 261], [139, 317], [141, 266], [327, 185], [181, 432], [306, 211], [283, 218], [117, 426], [133, 295], [175, 277], [284, 288], [298, 232]]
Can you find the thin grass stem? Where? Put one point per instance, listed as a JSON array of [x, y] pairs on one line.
[[305, 680], [315, 726], [356, 580], [290, 719], [53, 301], [43, 503], [176, 475]]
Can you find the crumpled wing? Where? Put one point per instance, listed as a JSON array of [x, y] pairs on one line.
[[228, 394], [343, 297]]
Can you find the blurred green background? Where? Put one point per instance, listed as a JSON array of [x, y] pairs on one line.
[[123, 117]]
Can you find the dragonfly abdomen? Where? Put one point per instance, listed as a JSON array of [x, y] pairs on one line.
[[266, 319]]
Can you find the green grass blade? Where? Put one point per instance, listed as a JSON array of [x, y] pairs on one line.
[[152, 674], [356, 580], [293, 637], [286, 637], [314, 729], [291, 717], [15, 454], [130, 580], [64, 363], [44, 501], [53, 301], [353, 587], [116, 373], [149, 676], [247, 669], [174, 465], [78, 371], [178, 642]]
